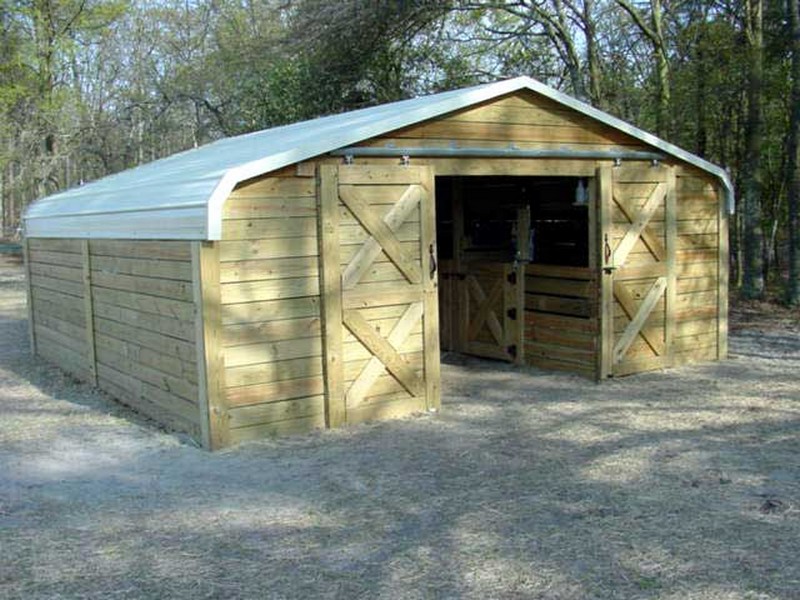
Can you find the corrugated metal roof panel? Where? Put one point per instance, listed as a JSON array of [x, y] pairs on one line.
[[181, 196]]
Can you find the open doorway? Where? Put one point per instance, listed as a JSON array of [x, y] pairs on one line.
[[493, 214], [515, 256]]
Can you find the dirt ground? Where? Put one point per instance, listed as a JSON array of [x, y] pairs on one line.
[[677, 485]]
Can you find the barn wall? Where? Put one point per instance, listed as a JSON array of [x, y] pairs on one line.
[[701, 310], [57, 295], [523, 119], [120, 314], [531, 122], [269, 276]]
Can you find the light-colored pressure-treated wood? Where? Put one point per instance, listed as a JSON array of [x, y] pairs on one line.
[[639, 271], [332, 297], [723, 275], [561, 321], [487, 305], [28, 290], [115, 313], [210, 359], [88, 310], [389, 319]]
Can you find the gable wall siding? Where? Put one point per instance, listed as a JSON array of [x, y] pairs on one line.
[[522, 119]]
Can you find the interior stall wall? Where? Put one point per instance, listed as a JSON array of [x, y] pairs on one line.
[[561, 318]]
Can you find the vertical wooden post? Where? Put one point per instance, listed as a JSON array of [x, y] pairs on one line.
[[514, 309], [29, 292], [88, 309], [214, 424], [460, 294], [430, 293], [670, 246], [595, 258], [723, 275], [605, 182], [331, 287]]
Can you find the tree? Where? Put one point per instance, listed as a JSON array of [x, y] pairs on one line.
[[651, 26], [752, 177], [793, 155]]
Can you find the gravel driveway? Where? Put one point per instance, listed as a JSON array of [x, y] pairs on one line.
[[678, 484]]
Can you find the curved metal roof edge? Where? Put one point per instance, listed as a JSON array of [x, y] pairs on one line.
[[416, 110]]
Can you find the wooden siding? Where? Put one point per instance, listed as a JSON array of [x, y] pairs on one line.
[[524, 119], [120, 314], [57, 296], [561, 318], [701, 281], [270, 308]]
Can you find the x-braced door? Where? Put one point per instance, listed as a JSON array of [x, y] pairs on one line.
[[638, 238], [492, 306], [380, 313]]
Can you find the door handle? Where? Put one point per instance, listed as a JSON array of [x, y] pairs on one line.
[[607, 268], [432, 254]]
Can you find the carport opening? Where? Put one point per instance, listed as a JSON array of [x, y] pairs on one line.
[[541, 220]]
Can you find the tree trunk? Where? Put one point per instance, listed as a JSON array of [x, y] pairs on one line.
[[592, 56], [753, 282], [663, 118], [652, 29], [793, 162]]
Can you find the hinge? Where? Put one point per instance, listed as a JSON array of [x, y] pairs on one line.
[[512, 314], [512, 350], [512, 278]]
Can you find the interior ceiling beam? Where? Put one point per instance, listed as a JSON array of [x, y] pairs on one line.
[[510, 152]]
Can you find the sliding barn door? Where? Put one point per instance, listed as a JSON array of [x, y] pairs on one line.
[[380, 312], [638, 237]]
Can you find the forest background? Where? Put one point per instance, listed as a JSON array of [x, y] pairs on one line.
[[92, 87]]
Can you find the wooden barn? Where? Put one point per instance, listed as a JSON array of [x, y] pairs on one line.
[[308, 276]]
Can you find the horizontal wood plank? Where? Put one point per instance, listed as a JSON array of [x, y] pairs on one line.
[[144, 267], [158, 250]]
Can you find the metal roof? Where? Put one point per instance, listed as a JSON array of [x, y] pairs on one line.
[[181, 196]]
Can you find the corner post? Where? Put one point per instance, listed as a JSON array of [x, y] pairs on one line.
[[88, 308], [671, 239], [29, 290], [723, 275], [214, 425]]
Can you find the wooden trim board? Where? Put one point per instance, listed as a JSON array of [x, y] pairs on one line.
[[28, 290], [214, 424], [335, 406], [89, 309]]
